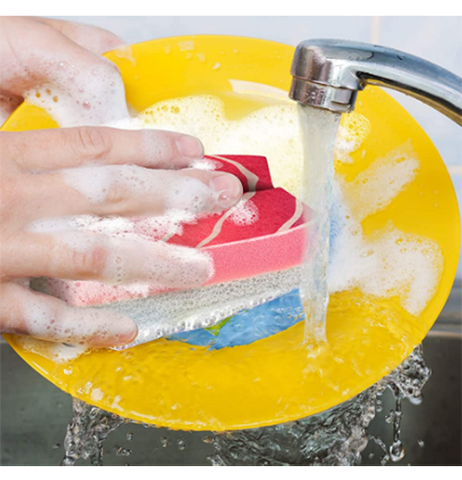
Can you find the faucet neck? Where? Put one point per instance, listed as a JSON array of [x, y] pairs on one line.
[[329, 73]]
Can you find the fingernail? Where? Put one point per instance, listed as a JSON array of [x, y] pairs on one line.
[[190, 147], [228, 188], [124, 332]]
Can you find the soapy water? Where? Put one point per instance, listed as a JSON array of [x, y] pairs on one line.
[[337, 436], [387, 263]]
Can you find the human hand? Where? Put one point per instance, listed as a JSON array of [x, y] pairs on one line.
[[99, 171], [65, 56]]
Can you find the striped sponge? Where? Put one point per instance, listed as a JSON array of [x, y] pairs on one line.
[[256, 248]]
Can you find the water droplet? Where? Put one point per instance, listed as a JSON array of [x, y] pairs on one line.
[[397, 451], [122, 452]]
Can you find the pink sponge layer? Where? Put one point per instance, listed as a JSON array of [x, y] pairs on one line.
[[265, 234]]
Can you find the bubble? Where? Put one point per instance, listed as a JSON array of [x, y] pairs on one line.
[[387, 263], [100, 93], [271, 131], [375, 187], [244, 213]]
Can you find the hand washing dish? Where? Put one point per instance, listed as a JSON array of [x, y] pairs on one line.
[[231, 376], [264, 234]]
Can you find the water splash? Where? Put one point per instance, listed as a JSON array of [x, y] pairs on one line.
[[87, 431], [335, 437]]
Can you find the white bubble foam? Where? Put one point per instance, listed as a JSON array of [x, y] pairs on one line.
[[376, 186], [206, 164], [387, 263], [244, 213], [180, 192], [353, 130], [271, 131], [134, 257], [125, 52], [56, 352], [80, 94]]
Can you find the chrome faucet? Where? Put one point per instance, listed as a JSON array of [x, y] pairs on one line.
[[329, 73]]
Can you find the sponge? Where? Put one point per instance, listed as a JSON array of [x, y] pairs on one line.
[[256, 248]]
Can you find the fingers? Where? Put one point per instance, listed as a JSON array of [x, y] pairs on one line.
[[55, 149], [115, 260], [76, 86], [95, 39], [41, 316], [129, 190]]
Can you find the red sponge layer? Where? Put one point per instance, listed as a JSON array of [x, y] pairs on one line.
[[265, 233]]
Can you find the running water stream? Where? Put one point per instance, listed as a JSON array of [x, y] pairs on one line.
[[319, 129]]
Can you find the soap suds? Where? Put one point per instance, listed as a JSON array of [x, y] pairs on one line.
[[244, 213], [57, 352], [186, 45], [58, 322], [353, 130], [80, 94], [387, 263], [179, 192], [271, 131], [125, 52], [130, 259], [376, 186]]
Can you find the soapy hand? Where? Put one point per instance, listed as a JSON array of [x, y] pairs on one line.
[[54, 174], [30, 48]]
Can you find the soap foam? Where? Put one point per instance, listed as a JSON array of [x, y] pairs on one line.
[[130, 259], [80, 94], [271, 131], [244, 213], [56, 321], [56, 352], [353, 130], [376, 186], [387, 263], [179, 192]]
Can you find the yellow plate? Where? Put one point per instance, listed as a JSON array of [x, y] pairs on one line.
[[272, 380]]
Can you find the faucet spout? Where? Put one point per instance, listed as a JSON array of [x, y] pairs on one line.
[[328, 74]]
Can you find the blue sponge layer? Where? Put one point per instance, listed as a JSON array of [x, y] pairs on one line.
[[249, 326]]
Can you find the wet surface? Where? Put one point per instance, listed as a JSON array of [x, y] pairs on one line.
[[34, 415]]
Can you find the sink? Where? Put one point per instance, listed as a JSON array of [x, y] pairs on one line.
[[34, 415]]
